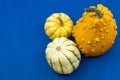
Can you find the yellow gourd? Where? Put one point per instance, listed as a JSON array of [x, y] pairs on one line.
[[58, 25], [95, 32]]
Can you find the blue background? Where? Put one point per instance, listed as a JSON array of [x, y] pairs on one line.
[[23, 41]]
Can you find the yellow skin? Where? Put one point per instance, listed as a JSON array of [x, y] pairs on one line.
[[94, 35], [58, 25]]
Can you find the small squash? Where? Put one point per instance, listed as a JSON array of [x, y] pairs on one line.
[[95, 32], [58, 25], [63, 55]]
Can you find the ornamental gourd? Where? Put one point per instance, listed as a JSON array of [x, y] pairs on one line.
[[58, 25], [95, 32], [63, 55]]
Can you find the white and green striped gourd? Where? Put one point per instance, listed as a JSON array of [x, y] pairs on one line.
[[63, 55]]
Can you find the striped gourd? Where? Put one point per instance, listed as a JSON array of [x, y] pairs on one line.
[[58, 25], [63, 55]]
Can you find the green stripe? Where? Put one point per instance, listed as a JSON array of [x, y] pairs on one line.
[[54, 32], [65, 41], [51, 64], [73, 52], [66, 31], [71, 45], [49, 46], [60, 65], [58, 40], [69, 61]]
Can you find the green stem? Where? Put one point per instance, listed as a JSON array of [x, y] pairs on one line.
[[98, 12], [61, 22]]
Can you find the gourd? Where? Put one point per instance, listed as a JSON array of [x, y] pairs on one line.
[[63, 55], [96, 31], [58, 25]]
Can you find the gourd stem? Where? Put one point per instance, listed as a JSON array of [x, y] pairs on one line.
[[61, 22], [58, 48], [98, 12]]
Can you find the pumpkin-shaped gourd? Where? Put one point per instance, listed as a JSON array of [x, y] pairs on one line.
[[96, 31], [63, 55], [58, 25]]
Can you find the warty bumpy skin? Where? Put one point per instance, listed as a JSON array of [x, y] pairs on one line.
[[96, 31]]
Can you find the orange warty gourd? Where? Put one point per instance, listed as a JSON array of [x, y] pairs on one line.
[[95, 32]]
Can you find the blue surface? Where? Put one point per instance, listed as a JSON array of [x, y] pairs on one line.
[[23, 41]]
